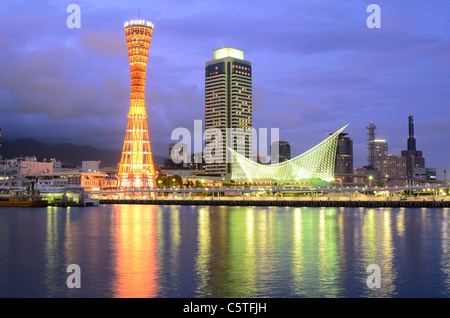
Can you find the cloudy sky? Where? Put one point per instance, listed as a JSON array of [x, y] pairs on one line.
[[316, 67]]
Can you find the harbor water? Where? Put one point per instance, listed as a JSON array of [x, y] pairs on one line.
[[172, 251]]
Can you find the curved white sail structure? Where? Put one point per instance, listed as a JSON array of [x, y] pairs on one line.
[[317, 162]]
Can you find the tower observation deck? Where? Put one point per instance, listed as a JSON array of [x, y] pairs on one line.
[[136, 169]]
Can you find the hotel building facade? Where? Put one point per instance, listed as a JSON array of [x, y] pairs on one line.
[[228, 109]]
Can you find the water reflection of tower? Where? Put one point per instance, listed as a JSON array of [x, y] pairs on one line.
[[136, 168], [135, 248]]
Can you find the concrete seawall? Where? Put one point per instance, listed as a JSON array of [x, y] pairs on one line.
[[302, 203]]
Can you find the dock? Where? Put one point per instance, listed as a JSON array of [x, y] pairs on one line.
[[288, 203]]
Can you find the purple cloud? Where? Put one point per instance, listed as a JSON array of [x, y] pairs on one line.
[[316, 67]]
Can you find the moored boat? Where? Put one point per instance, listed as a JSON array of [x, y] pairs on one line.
[[20, 198]]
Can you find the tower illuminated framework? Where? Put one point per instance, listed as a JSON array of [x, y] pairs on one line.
[[136, 168]]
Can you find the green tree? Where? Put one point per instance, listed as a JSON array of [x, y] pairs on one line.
[[162, 182], [198, 184], [176, 181]]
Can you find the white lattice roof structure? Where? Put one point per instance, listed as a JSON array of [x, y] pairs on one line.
[[318, 162]]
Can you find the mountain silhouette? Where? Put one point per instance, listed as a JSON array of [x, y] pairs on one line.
[[69, 154], [65, 152]]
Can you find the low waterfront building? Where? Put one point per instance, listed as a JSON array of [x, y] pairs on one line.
[[90, 166], [366, 175], [425, 174]]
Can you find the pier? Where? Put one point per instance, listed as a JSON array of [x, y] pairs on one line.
[[284, 196], [289, 203]]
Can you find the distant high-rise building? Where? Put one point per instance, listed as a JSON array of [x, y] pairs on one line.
[[411, 142], [393, 167], [261, 158], [380, 152], [284, 151], [228, 105], [370, 145], [177, 153], [344, 157], [414, 157], [197, 161], [56, 163], [177, 156], [377, 148]]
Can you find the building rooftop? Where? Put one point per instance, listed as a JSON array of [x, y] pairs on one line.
[[228, 52], [138, 23]]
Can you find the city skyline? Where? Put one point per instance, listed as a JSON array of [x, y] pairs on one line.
[[321, 68]]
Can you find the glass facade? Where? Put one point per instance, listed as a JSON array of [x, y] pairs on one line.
[[214, 69]]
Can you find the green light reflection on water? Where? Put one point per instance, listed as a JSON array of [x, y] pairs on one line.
[[161, 251]]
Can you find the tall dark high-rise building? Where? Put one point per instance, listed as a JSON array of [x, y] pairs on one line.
[[371, 146], [228, 108], [414, 157], [381, 152], [197, 161], [284, 151], [377, 156], [411, 143], [344, 157], [377, 148]]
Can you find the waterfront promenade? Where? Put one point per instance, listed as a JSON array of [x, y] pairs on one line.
[[288, 201], [292, 203], [431, 196]]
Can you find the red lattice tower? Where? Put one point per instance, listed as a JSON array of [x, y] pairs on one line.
[[136, 168]]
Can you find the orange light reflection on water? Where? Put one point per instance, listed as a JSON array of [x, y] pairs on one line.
[[136, 265]]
